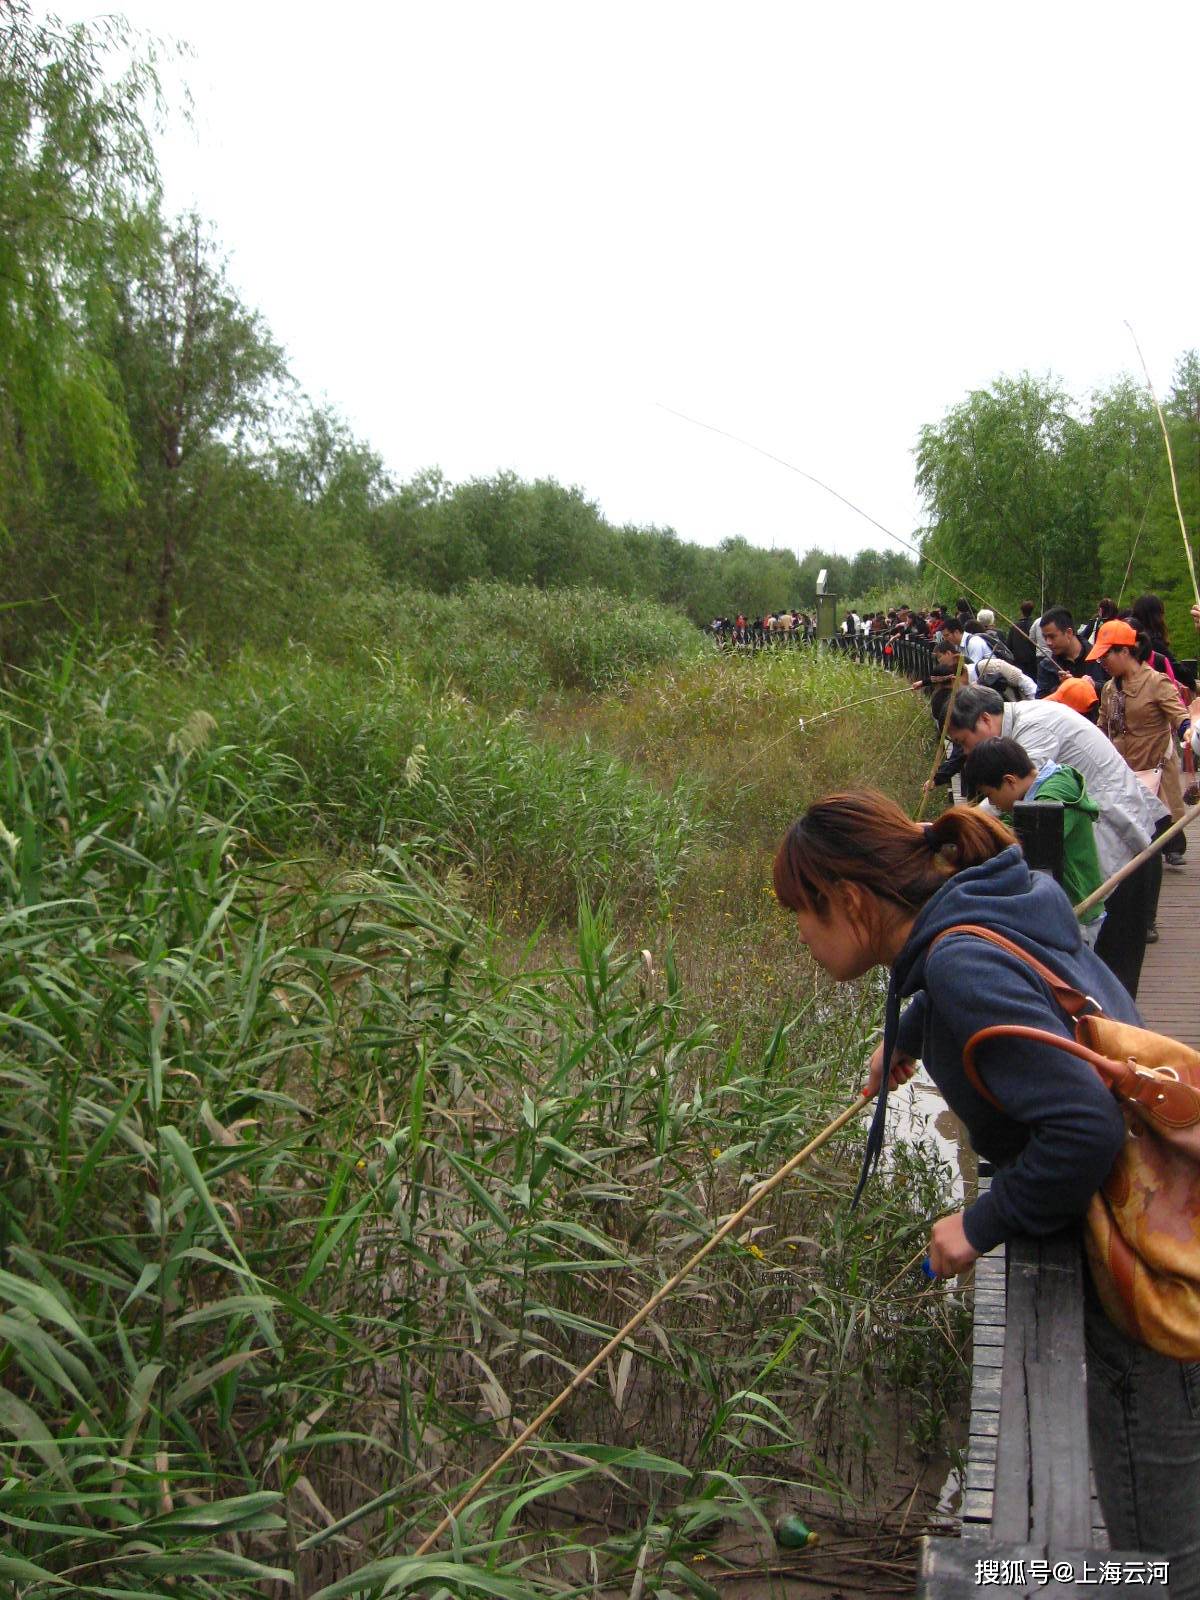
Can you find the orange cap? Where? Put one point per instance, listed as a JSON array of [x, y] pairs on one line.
[[1078, 693], [1112, 633]]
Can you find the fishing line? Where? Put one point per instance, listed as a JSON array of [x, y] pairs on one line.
[[915, 549], [1133, 552], [806, 724]]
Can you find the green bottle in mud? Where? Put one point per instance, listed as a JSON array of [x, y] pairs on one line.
[[791, 1533]]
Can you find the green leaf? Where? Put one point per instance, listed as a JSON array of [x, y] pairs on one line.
[[26, 1572], [37, 1300]]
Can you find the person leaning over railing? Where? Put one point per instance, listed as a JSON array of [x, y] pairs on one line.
[[1128, 816], [869, 888], [1068, 654]]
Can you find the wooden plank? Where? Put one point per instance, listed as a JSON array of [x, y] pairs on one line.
[[977, 1505], [1041, 1486], [985, 1389]]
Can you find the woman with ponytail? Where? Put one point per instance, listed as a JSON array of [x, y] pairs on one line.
[[869, 887]]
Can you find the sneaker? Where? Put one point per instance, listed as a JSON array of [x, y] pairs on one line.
[[1152, 934], [1172, 859]]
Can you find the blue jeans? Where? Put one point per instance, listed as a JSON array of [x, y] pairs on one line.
[[1144, 1426]]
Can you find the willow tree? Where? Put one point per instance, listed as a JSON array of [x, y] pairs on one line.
[[1008, 480], [201, 376], [76, 174]]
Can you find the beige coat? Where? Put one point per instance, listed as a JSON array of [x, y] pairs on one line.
[[1153, 711]]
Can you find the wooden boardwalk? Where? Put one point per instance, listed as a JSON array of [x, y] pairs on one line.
[[1027, 1485], [1167, 996]]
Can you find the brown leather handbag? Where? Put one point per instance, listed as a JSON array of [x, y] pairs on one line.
[[1142, 1233]]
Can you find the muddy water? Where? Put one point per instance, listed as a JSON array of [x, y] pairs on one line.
[[921, 1114]]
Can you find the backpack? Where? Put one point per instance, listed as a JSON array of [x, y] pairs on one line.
[[1140, 1232], [999, 646]]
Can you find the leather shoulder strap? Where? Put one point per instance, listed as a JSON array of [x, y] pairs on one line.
[[1069, 998]]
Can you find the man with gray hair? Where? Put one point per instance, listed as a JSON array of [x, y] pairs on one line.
[[1128, 816]]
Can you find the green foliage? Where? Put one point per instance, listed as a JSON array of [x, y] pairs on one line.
[[309, 1188], [1036, 496], [1006, 474], [509, 645], [769, 735], [76, 167], [440, 536], [311, 753], [199, 370]]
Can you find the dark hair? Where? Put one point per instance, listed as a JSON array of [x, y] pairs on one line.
[[994, 760], [1106, 609], [863, 837], [952, 624], [1059, 616], [972, 703], [1026, 608], [1147, 612]]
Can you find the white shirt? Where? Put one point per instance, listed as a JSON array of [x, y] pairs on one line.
[[976, 648], [1047, 731]]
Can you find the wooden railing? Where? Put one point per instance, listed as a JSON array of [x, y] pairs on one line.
[[1030, 1524]]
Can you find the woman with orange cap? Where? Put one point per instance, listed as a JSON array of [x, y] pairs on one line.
[[1140, 711]]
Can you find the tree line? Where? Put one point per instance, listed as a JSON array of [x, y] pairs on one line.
[[1035, 494], [159, 468]]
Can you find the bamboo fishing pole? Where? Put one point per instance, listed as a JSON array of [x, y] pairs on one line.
[[759, 1193], [1162, 422], [939, 753], [1152, 849]]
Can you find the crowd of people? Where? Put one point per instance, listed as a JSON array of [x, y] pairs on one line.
[[773, 627], [1117, 673], [1095, 718]]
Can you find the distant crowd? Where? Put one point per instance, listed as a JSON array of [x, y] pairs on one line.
[[789, 627], [1096, 715]]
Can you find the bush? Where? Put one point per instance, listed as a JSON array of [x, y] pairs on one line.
[[507, 644], [299, 753], [306, 1194]]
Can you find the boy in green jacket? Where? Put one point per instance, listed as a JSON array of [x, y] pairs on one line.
[[1001, 771]]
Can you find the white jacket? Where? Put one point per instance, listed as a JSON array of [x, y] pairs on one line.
[[994, 667], [1047, 731]]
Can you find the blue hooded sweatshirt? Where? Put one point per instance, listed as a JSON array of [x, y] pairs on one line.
[[1061, 1128]]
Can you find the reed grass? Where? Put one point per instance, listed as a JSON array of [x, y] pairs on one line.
[[314, 1186], [509, 644]]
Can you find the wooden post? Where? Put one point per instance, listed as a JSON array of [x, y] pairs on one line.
[[1039, 825]]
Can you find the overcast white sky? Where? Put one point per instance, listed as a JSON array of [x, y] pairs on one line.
[[499, 234]]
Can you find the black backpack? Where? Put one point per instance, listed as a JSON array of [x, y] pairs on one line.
[[999, 646]]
